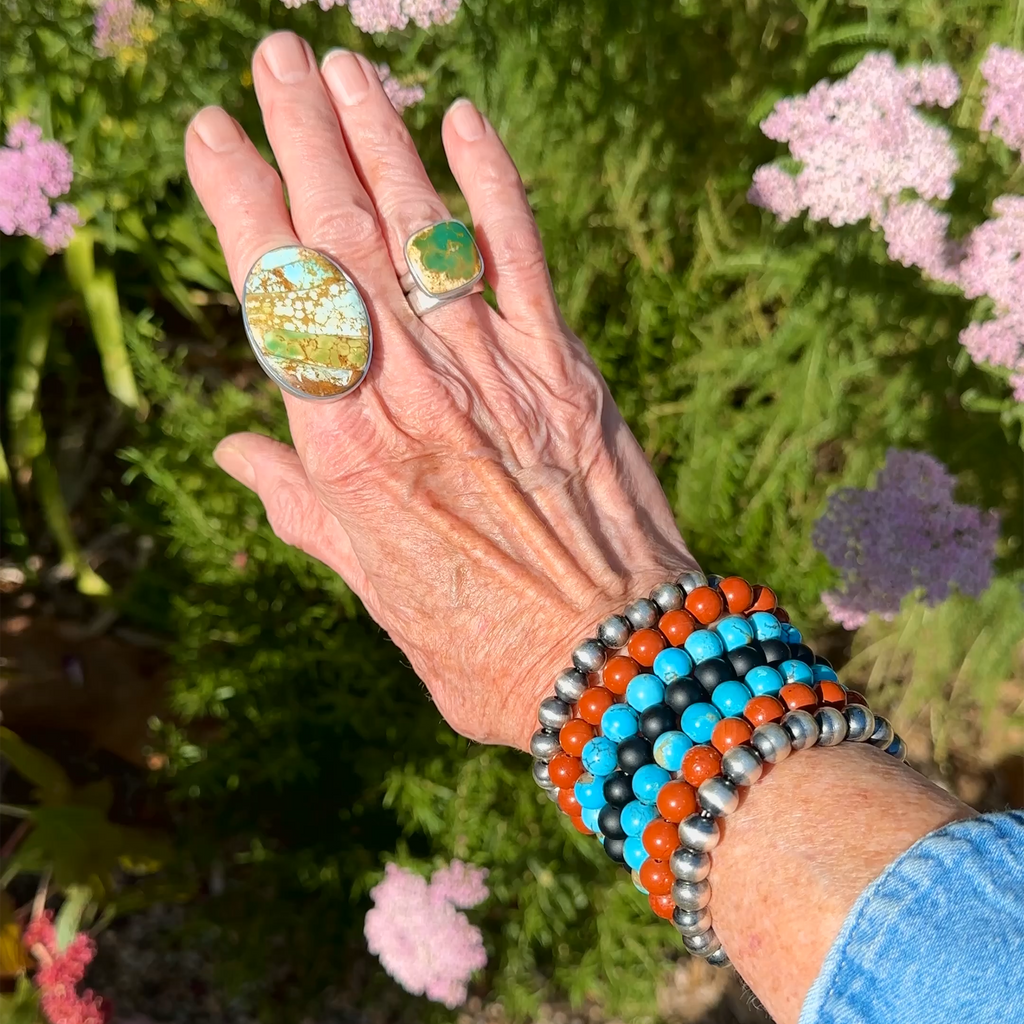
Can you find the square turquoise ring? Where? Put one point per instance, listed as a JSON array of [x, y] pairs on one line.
[[444, 264], [307, 323]]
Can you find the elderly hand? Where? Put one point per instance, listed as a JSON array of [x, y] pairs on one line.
[[480, 491]]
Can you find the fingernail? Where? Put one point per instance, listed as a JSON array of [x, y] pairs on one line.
[[466, 120], [345, 76], [287, 57], [218, 130], [235, 464]]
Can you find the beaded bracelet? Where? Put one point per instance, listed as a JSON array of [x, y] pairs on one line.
[[700, 685]]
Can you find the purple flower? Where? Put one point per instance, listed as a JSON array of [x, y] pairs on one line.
[[915, 235], [421, 939], [401, 96], [906, 534], [1003, 70]]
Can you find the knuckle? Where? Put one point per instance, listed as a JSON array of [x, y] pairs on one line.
[[352, 227]]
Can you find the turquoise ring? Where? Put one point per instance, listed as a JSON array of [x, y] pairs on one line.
[[307, 323], [444, 264]]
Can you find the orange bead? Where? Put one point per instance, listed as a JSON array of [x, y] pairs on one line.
[[760, 710], [830, 693], [764, 600], [660, 838], [704, 604], [738, 594], [594, 703], [617, 673], [700, 764], [564, 770], [677, 626], [656, 876], [782, 615], [854, 697], [568, 803], [580, 827], [676, 801], [663, 906], [729, 733], [798, 696], [645, 645], [575, 735]]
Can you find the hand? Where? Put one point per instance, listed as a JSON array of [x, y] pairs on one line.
[[480, 491]]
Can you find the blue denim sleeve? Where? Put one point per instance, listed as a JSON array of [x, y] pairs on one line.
[[938, 937]]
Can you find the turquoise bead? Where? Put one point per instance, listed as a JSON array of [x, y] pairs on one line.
[[764, 680], [669, 749], [673, 663], [824, 674], [735, 631], [634, 852], [620, 722], [635, 817], [599, 755], [589, 817], [791, 634], [702, 644], [647, 782], [635, 875], [699, 721], [731, 698], [766, 626], [644, 690], [794, 671], [589, 790]]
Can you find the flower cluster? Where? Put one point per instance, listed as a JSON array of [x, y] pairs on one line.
[[59, 973], [1003, 70], [385, 15], [119, 27], [905, 535], [422, 940], [32, 172], [401, 96]]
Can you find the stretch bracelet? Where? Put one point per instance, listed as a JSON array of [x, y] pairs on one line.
[[668, 713]]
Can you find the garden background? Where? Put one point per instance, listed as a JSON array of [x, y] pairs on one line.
[[218, 751]]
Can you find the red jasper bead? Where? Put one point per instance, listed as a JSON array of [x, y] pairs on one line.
[[575, 735], [656, 876], [663, 906], [645, 645], [704, 604], [676, 801], [564, 770], [760, 710], [798, 696], [700, 764], [764, 600], [831, 693], [677, 626], [738, 594], [580, 827], [729, 733], [594, 703], [660, 838], [617, 673], [568, 803]]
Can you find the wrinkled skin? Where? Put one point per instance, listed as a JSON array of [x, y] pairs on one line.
[[480, 491]]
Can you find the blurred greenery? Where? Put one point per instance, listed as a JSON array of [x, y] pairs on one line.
[[760, 365]]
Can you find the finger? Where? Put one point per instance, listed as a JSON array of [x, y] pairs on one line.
[[506, 230]]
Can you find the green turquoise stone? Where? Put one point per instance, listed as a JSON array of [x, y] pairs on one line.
[[443, 258]]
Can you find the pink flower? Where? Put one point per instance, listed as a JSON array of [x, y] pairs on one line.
[[776, 191], [999, 342], [113, 26], [401, 96], [1003, 70], [421, 939], [994, 263], [915, 235], [385, 15]]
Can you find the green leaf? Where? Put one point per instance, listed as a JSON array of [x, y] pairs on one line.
[[51, 781]]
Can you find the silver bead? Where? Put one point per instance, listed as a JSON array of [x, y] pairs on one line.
[[642, 614], [691, 922], [719, 958], [831, 727], [718, 797], [553, 713], [689, 865], [544, 745], [801, 728], [570, 685], [668, 597], [742, 766], [691, 895], [771, 741], [702, 945], [552, 794], [541, 775], [860, 723], [590, 656], [690, 581], [883, 734], [699, 833], [897, 748], [614, 632]]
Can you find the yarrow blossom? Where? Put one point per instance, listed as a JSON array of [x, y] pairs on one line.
[[916, 236], [421, 939], [401, 96], [32, 172], [385, 15], [906, 534], [59, 973], [119, 27], [1003, 70]]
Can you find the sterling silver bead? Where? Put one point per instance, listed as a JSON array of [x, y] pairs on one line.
[[831, 727], [614, 632], [541, 775], [667, 596], [553, 713], [689, 865], [690, 581], [742, 766], [771, 741], [699, 833], [860, 723], [642, 614], [897, 748], [590, 656], [801, 728], [544, 745], [719, 958], [702, 945], [718, 797], [570, 685], [691, 895], [883, 734], [552, 794], [691, 922]]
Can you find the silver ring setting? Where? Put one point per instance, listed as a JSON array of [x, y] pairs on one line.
[[444, 264]]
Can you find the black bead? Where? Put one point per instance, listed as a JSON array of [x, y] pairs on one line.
[[609, 821], [801, 652], [744, 658], [775, 651], [712, 672], [618, 790], [819, 660], [684, 692], [635, 753], [714, 580], [613, 847], [658, 718]]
